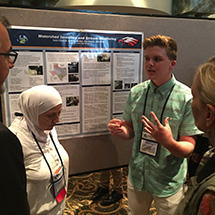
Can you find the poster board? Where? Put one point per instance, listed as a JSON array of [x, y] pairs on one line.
[[92, 70]]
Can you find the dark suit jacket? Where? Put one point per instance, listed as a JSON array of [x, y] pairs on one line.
[[13, 196]]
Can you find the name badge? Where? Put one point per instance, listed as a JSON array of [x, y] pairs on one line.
[[148, 144], [59, 185]]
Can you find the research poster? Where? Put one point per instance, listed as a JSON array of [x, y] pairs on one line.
[[92, 70]]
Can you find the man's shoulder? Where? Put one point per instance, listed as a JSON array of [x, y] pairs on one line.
[[7, 136], [4, 130], [182, 85], [182, 89], [138, 90], [2, 126], [141, 86]]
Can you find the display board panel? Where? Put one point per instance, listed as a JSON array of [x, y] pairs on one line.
[[90, 69], [196, 42]]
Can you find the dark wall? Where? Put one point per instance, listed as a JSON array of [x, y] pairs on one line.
[[196, 42]]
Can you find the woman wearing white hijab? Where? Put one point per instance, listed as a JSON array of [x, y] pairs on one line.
[[46, 161]]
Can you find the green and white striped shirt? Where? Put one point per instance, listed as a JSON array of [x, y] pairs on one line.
[[164, 174]]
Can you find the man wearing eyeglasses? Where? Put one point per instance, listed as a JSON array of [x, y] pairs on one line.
[[13, 195]]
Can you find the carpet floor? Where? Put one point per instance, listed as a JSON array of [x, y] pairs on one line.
[[82, 187]]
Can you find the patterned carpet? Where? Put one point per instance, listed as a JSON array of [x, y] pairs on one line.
[[80, 190]]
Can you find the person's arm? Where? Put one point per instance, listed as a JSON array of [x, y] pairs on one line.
[[121, 128], [163, 135]]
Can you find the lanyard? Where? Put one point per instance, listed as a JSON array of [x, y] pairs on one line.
[[52, 180], [147, 92]]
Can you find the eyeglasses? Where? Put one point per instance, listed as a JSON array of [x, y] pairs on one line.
[[12, 55]]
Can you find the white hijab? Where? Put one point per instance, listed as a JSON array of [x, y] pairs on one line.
[[35, 101]]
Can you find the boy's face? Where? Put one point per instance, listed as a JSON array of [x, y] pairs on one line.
[[158, 66]]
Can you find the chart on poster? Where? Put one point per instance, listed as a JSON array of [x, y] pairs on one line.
[[92, 70]]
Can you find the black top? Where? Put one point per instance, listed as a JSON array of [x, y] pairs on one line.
[[13, 195], [207, 169]]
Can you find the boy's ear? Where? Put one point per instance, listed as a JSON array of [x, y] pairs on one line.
[[210, 115], [173, 63]]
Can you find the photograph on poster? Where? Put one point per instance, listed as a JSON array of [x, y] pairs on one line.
[[35, 70], [72, 101], [73, 67]]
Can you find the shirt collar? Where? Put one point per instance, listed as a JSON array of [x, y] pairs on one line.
[[163, 89]]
